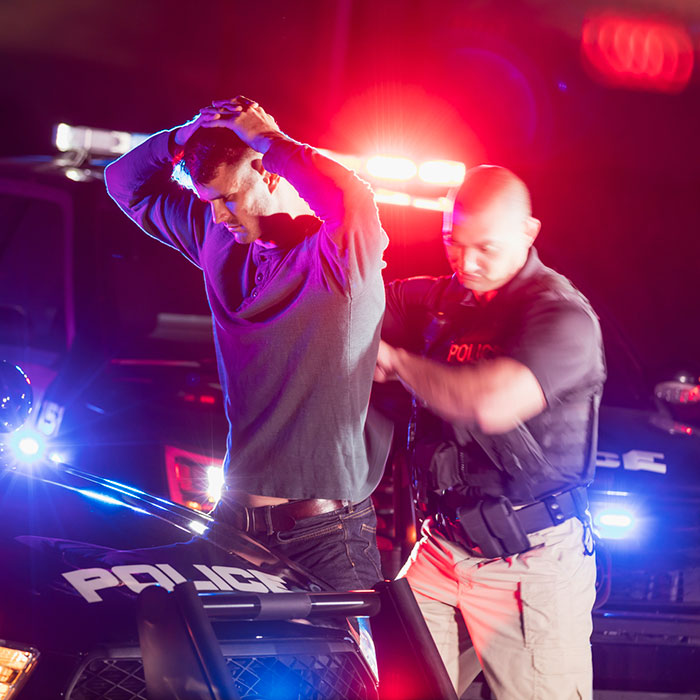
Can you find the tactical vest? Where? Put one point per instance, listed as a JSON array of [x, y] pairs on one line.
[[551, 452]]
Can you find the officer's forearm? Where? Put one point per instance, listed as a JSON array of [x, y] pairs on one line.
[[495, 395], [447, 391]]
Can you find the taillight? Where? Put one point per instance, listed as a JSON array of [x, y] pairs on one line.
[[194, 480]]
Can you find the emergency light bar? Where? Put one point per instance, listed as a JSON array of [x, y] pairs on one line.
[[379, 170], [97, 142]]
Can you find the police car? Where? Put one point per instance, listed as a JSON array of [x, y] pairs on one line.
[[645, 505], [78, 549], [113, 329]]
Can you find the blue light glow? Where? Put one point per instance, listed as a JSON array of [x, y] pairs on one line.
[[616, 520], [125, 487], [614, 523], [199, 528], [28, 446], [103, 498]]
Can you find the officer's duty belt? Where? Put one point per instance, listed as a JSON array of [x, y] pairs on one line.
[[496, 529], [553, 510]]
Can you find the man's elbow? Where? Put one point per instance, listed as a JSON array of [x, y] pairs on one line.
[[116, 185], [111, 179]]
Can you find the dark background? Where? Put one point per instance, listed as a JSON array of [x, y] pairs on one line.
[[615, 172]]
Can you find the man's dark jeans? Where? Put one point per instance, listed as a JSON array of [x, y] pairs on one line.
[[340, 547]]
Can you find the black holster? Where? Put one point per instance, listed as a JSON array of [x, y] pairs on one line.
[[491, 527]]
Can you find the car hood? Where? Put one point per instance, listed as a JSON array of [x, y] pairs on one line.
[[77, 549]]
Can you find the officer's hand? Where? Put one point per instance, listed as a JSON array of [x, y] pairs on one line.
[[384, 369], [251, 123]]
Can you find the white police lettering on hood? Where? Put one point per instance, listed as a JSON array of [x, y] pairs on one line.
[[136, 577], [634, 460]]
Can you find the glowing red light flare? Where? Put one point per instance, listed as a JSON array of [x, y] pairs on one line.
[[690, 395], [442, 172], [441, 204], [642, 53], [391, 167], [401, 199]]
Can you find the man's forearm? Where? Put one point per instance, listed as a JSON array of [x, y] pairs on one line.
[[260, 143], [323, 183], [147, 161]]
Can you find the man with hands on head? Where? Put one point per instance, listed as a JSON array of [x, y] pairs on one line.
[[505, 365], [297, 302]]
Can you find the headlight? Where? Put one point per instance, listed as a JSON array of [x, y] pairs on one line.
[[28, 446], [16, 663]]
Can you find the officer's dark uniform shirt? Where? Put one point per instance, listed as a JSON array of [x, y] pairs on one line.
[[539, 319]]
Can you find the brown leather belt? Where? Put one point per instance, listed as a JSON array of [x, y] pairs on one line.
[[269, 519]]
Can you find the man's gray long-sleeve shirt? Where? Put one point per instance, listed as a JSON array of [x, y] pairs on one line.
[[296, 328]]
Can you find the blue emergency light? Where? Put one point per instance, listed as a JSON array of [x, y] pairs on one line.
[[614, 522], [28, 446]]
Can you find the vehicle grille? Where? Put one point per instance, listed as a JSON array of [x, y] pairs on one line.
[[652, 586], [307, 677], [283, 677], [111, 679]]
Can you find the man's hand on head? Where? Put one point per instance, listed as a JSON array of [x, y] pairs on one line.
[[243, 116], [247, 119], [185, 131]]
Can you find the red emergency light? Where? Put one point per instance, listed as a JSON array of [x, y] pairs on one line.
[[641, 53]]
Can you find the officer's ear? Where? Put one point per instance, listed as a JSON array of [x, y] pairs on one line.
[[532, 228], [270, 179]]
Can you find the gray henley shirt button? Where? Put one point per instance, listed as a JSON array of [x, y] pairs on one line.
[[259, 277], [254, 293]]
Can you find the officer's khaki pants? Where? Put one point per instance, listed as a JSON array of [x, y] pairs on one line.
[[528, 618]]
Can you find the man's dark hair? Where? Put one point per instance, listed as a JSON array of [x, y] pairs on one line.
[[208, 148]]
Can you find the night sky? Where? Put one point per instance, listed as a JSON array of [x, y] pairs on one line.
[[614, 170]]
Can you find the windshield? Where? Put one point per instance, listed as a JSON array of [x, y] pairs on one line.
[[33, 265], [157, 294]]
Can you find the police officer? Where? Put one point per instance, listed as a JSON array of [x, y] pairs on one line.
[[505, 364]]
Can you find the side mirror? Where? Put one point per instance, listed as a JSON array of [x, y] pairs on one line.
[[16, 397]]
